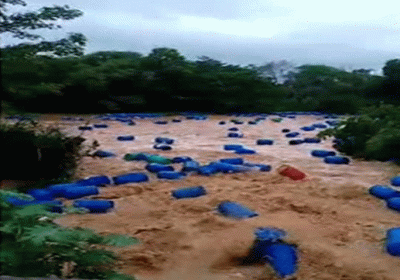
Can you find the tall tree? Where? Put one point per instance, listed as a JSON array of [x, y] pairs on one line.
[[19, 25]]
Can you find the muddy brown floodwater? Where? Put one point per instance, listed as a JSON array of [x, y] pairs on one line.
[[339, 228]]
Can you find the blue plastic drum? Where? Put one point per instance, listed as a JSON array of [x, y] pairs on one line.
[[322, 153], [383, 192], [164, 140], [264, 142], [171, 175], [336, 160], [292, 134], [232, 147], [181, 159], [235, 210], [41, 194], [100, 125], [95, 206], [130, 178], [232, 160], [100, 180], [233, 129], [189, 166], [155, 167], [58, 189], [235, 135], [207, 170], [162, 147], [126, 138], [282, 257], [296, 142], [85, 128], [189, 192], [312, 140], [395, 181], [307, 128], [103, 154], [243, 151], [393, 241], [394, 203], [78, 192]]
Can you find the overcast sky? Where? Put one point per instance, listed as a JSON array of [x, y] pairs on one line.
[[348, 34]]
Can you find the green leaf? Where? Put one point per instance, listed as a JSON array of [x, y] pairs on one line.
[[119, 276], [119, 240], [38, 235]]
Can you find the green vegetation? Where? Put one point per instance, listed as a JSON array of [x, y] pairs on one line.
[[375, 134], [32, 245], [164, 81], [37, 153]]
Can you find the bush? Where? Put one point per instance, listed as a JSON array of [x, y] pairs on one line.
[[32, 152], [32, 245], [375, 134]]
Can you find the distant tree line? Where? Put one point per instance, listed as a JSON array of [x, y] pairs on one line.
[[164, 80], [56, 77]]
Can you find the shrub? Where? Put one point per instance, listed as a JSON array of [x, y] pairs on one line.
[[34, 152], [32, 245], [375, 134]]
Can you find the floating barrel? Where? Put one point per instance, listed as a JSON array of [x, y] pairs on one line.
[[292, 134], [165, 140], [162, 147], [259, 166], [228, 168], [232, 147], [125, 138], [78, 192], [282, 257], [233, 129], [85, 128], [322, 153], [176, 120], [312, 140], [130, 178], [222, 123], [156, 167], [235, 210], [181, 159], [395, 181], [319, 125], [54, 205], [99, 180], [95, 206], [393, 241], [232, 160], [58, 189], [296, 142], [291, 172], [41, 194], [264, 142], [170, 175], [100, 125], [207, 170], [191, 165], [244, 151], [383, 192], [307, 128], [103, 154], [160, 122], [336, 160], [285, 130], [189, 192], [235, 135], [394, 203]]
